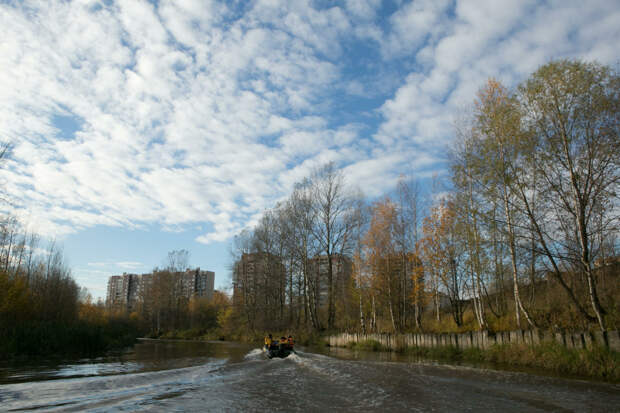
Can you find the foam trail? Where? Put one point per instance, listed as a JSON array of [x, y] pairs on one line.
[[255, 354]]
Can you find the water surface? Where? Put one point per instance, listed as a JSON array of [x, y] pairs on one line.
[[221, 376]]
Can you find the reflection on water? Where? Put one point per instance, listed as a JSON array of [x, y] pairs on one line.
[[216, 376], [389, 356], [147, 355]]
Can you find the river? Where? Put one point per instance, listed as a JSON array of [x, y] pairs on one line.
[[222, 376]]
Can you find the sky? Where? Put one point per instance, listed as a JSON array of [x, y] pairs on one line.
[[140, 127]]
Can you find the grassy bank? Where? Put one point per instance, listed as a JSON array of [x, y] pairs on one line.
[[599, 363]]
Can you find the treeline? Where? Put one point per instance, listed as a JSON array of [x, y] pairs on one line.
[[43, 311], [167, 316], [167, 310], [524, 236], [164, 304]]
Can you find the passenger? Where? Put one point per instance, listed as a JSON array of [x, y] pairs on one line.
[[283, 343], [268, 341], [291, 343]]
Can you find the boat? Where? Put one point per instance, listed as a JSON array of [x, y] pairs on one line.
[[278, 350]]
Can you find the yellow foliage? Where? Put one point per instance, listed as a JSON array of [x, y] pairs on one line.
[[92, 314], [15, 298]]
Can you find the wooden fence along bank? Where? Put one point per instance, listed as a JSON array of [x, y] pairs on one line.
[[482, 339]]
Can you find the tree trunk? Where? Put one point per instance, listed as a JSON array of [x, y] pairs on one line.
[[330, 292], [374, 315], [556, 271], [582, 231], [390, 303]]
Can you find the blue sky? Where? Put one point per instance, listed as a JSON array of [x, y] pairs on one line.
[[139, 127]]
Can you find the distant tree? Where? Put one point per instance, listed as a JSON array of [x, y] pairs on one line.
[[177, 260]]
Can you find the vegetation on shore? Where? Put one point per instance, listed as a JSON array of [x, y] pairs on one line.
[[304, 338], [598, 363], [45, 317]]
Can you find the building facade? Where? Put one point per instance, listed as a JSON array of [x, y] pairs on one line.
[[258, 279], [342, 269], [126, 291]]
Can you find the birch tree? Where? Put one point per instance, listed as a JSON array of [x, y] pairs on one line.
[[572, 112], [332, 208]]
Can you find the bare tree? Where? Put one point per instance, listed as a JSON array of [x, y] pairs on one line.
[[303, 221], [332, 208], [177, 260]]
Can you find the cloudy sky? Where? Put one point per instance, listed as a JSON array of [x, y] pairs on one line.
[[139, 127]]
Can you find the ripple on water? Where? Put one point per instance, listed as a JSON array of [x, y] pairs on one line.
[[243, 379]]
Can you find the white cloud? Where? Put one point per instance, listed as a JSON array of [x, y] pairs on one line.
[[130, 265], [507, 40], [193, 112]]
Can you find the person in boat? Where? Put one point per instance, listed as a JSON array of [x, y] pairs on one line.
[[291, 343], [283, 343], [268, 341]]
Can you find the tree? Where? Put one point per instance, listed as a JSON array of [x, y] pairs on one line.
[[443, 253], [303, 220], [177, 260], [388, 260], [498, 123], [360, 268], [410, 212], [572, 114], [332, 208]]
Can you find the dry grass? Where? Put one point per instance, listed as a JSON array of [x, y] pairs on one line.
[[598, 363]]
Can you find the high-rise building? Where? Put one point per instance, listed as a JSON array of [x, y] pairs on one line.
[[342, 269], [198, 283], [258, 274], [127, 290]]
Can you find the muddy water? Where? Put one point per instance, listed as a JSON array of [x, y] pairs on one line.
[[188, 376]]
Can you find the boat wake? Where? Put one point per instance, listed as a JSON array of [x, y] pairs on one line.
[[255, 354]]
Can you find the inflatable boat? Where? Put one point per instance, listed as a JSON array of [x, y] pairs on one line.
[[278, 350]]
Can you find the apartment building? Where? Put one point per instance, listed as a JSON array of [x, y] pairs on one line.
[[318, 272], [126, 291], [258, 273]]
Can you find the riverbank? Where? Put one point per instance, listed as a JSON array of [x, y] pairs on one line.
[[597, 363], [304, 338], [80, 338]]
